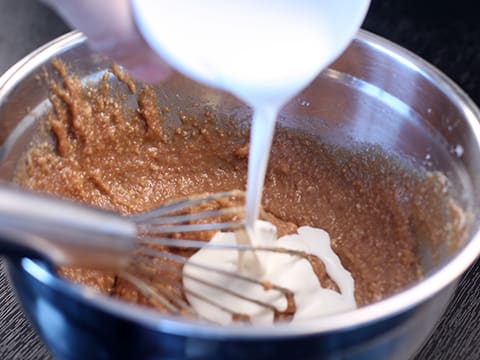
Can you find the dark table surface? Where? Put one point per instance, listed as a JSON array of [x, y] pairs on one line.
[[444, 32]]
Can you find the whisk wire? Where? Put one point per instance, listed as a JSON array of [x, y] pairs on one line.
[[185, 203], [220, 213], [180, 259], [184, 228], [157, 265], [151, 293]]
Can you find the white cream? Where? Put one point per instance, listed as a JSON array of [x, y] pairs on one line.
[[284, 270]]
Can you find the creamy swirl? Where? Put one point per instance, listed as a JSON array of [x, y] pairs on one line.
[[291, 272]]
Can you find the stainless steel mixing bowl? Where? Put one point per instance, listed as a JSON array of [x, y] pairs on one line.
[[376, 93]]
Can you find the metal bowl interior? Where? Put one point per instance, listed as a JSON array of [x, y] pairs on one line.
[[376, 93]]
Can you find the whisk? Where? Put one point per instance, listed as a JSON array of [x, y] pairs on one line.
[[138, 247]]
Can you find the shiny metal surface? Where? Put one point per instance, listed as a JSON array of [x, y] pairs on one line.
[[376, 93], [65, 232]]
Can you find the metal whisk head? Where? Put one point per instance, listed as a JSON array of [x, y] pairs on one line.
[[162, 250], [148, 249]]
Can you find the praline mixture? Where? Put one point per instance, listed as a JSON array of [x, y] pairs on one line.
[[375, 207]]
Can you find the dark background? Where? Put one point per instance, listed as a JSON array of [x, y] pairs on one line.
[[445, 33]]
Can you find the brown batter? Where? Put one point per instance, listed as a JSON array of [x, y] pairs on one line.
[[375, 207]]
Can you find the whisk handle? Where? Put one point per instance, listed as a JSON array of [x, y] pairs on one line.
[[62, 231]]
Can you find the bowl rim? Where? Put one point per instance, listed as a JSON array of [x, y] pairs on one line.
[[390, 306]]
